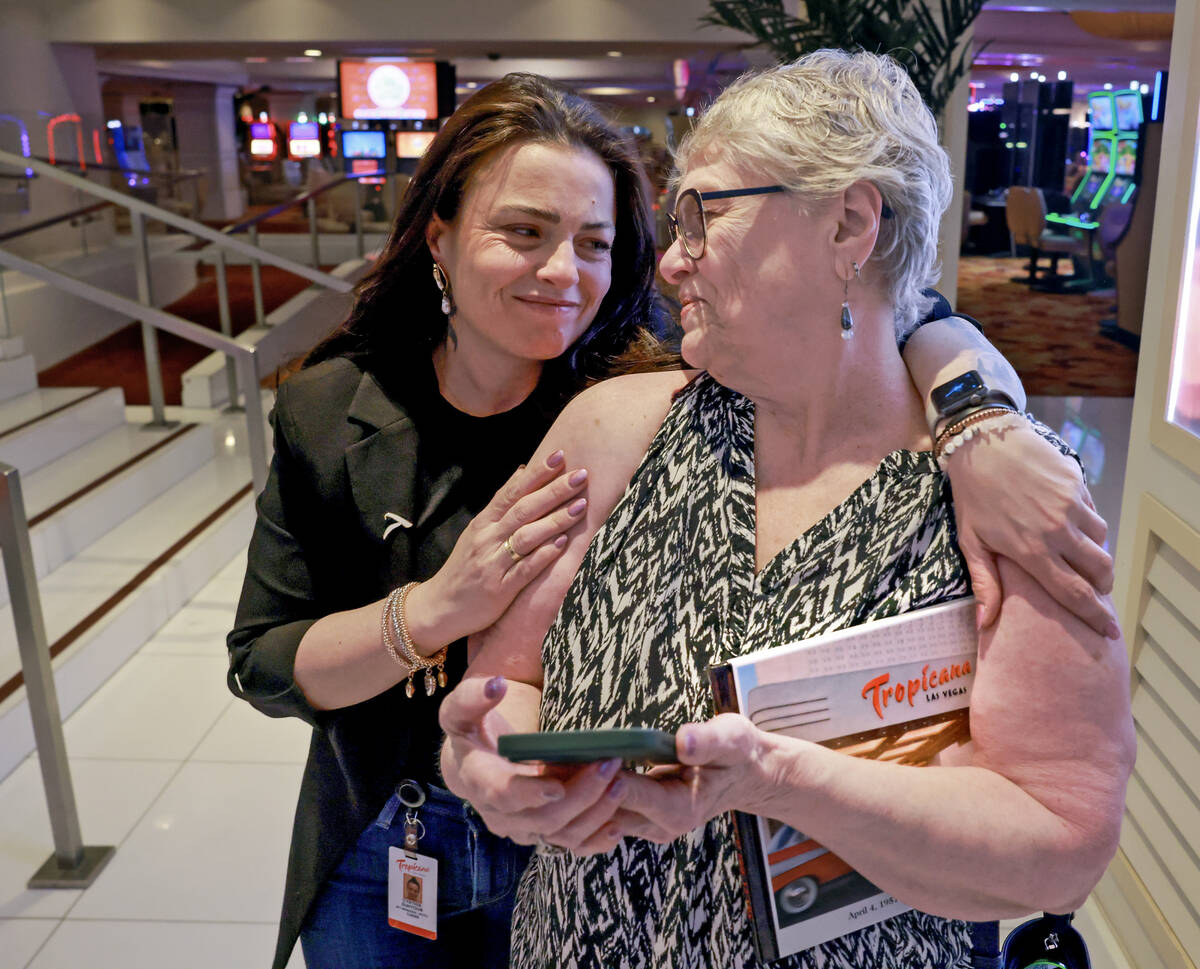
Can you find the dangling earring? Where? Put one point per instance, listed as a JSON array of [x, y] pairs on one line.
[[847, 318], [443, 285]]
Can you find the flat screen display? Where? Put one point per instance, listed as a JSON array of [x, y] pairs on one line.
[[1129, 110], [364, 144], [304, 139], [1126, 156], [1102, 112], [412, 144], [1102, 152], [1090, 188], [388, 89]]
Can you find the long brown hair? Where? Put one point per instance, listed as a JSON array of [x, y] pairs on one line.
[[396, 309]]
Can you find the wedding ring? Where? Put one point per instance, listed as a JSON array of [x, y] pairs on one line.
[[513, 553], [545, 848]]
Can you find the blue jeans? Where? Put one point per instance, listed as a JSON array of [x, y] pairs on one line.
[[477, 885]]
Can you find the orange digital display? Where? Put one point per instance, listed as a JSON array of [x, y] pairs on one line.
[[382, 89], [412, 144]]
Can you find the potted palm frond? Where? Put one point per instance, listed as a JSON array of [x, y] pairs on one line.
[[923, 35]]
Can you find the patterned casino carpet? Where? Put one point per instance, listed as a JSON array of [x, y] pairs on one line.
[[1052, 339]]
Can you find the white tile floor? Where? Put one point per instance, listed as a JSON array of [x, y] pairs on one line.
[[194, 788], [197, 790]]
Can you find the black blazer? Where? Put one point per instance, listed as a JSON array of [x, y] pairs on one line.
[[345, 453]]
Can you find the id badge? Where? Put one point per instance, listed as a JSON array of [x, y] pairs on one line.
[[412, 892]]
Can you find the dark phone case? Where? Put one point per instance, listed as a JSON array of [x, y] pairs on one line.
[[640, 744]]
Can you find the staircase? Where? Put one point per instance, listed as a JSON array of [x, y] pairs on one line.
[[126, 522]]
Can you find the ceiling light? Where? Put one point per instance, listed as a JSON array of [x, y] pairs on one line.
[[1133, 85], [472, 85], [1062, 75], [650, 99], [608, 91], [1033, 75], [1145, 89], [1014, 76], [1108, 86], [312, 52], [614, 53]]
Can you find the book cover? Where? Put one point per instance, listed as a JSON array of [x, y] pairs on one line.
[[896, 689]]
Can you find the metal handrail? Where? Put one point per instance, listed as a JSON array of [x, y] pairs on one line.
[[190, 226], [139, 211], [304, 197], [183, 175], [54, 220], [243, 356], [73, 864]]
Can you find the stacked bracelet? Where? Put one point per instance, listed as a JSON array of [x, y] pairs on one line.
[[961, 431], [400, 647]]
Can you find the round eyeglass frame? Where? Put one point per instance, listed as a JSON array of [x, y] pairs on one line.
[[700, 198]]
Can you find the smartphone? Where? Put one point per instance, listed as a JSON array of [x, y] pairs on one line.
[[637, 745]]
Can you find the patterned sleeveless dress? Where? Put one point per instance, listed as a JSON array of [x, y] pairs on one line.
[[667, 588]]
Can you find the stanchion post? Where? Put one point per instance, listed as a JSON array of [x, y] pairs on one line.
[[73, 864], [227, 329], [260, 316], [313, 235], [141, 265]]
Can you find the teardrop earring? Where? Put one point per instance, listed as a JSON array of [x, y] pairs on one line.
[[443, 285], [847, 317]]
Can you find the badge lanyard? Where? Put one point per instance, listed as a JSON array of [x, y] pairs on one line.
[[412, 877]]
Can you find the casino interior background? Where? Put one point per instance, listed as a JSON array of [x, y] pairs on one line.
[[156, 149]]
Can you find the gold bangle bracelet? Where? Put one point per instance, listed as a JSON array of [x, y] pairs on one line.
[[400, 647]]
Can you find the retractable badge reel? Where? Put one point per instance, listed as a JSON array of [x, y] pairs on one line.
[[412, 876]]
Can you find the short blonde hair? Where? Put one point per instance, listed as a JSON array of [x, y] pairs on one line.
[[826, 121]]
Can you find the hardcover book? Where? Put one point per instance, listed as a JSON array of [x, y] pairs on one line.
[[896, 689]]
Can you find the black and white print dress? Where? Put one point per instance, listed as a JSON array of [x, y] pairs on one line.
[[667, 588]]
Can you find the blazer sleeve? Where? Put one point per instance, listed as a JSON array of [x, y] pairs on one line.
[[277, 604]]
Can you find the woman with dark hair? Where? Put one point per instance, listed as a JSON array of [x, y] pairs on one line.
[[520, 269]]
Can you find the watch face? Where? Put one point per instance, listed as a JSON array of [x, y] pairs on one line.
[[957, 391]]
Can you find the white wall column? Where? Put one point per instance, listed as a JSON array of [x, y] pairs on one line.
[[204, 125]]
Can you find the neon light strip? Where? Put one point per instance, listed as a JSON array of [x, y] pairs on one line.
[[24, 136], [54, 123], [1154, 105]]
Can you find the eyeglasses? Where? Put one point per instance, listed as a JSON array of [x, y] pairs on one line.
[[687, 222]]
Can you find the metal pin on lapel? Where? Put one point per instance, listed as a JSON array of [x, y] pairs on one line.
[[396, 522]]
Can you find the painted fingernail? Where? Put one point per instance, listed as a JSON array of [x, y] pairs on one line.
[[689, 743], [494, 688], [560, 541], [1113, 631], [617, 789], [555, 459], [578, 477], [575, 508], [610, 767]]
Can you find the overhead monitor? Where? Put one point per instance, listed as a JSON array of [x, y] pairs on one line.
[[412, 144], [387, 89], [364, 144], [304, 139], [1102, 111], [1129, 110]]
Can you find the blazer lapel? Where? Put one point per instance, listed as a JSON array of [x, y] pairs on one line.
[[385, 478]]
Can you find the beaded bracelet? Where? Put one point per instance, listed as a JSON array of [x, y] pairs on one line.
[[400, 647], [958, 433]]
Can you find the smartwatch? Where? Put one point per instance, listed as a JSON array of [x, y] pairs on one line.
[[965, 393]]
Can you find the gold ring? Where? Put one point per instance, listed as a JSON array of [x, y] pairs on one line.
[[513, 553]]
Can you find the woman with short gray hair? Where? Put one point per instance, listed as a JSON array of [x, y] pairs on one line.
[[790, 488]]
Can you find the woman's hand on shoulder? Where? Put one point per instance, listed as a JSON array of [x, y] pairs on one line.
[[515, 538], [569, 807], [1017, 495]]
